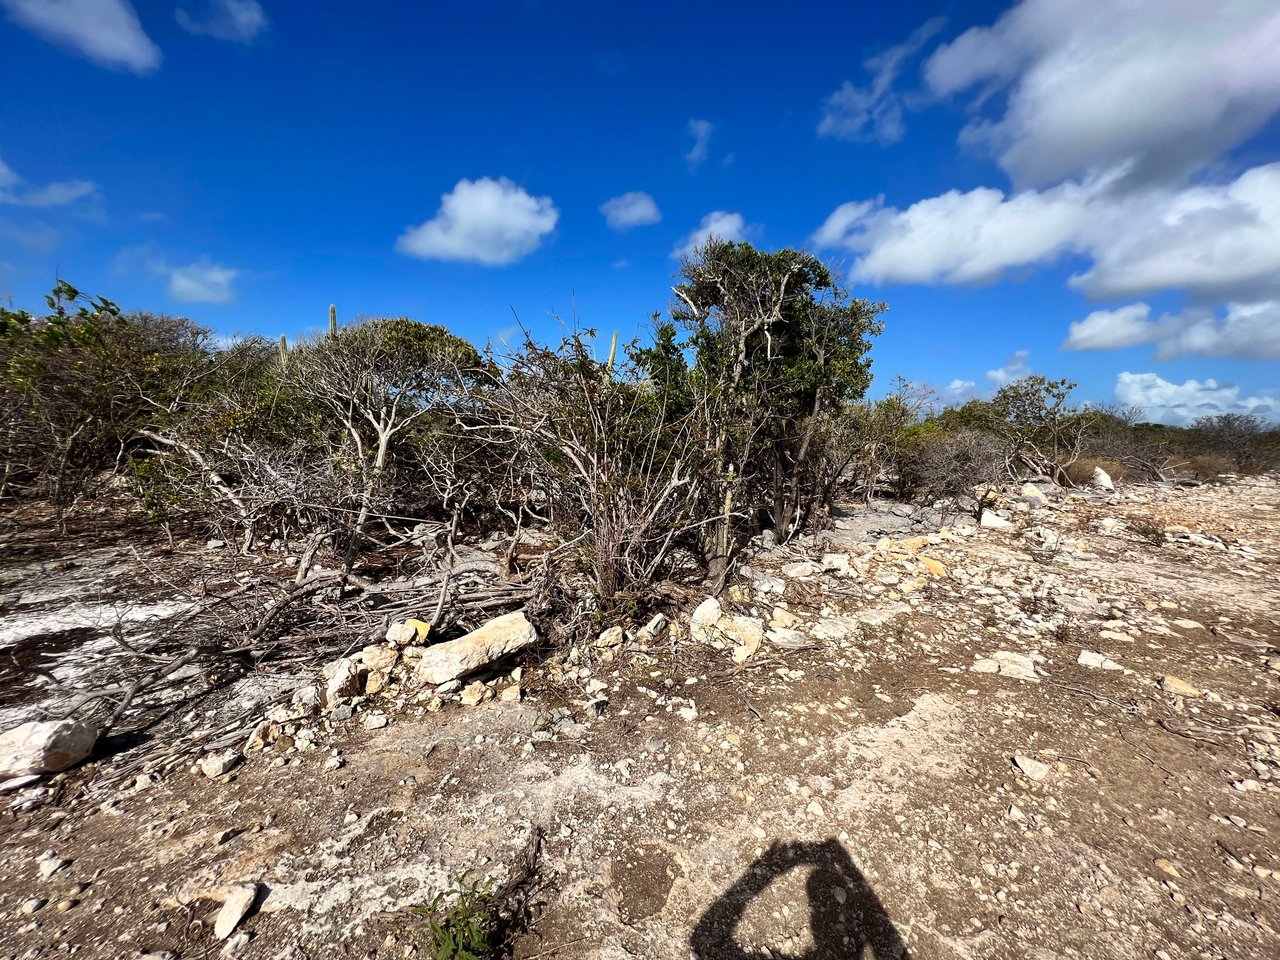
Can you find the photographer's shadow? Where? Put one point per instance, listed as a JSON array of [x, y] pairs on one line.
[[847, 920]]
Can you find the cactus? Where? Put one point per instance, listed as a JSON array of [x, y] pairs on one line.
[[284, 352], [333, 320]]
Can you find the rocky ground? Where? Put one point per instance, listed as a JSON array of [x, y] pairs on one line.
[[1051, 736]]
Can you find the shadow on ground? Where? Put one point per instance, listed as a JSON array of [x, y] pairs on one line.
[[847, 919]]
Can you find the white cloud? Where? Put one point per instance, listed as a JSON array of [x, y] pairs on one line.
[[1166, 402], [492, 222], [1219, 241], [701, 131], [1112, 329], [718, 223], [202, 282], [1015, 368], [634, 209], [958, 391], [56, 194], [874, 112], [105, 31], [1162, 85], [1246, 331], [236, 20]]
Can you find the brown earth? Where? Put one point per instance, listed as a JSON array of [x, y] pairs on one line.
[[854, 797]]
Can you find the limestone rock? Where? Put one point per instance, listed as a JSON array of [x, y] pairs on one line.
[[475, 693], [992, 522], [496, 639], [655, 631], [1090, 658], [408, 631], [342, 680], [611, 637], [1033, 495], [1102, 479], [44, 746], [702, 625], [239, 899], [379, 656], [1171, 684], [1031, 768], [216, 764]]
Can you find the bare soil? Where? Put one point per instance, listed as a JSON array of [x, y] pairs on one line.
[[856, 797]]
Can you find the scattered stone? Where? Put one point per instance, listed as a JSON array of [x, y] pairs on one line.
[[783, 618], [511, 694], [1031, 768], [408, 631], [374, 721], [343, 680], [34, 905], [214, 765], [380, 656], [1007, 663], [44, 746], [613, 637], [800, 570], [702, 624], [1167, 867], [1171, 684], [493, 641], [239, 899], [475, 693], [1034, 495], [992, 522], [1097, 661], [935, 568], [655, 631], [50, 863], [1102, 479]]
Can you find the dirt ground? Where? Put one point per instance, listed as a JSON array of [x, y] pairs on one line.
[[849, 790]]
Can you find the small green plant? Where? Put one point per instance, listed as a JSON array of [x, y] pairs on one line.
[[460, 923]]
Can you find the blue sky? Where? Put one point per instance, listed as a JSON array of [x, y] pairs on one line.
[[996, 172]]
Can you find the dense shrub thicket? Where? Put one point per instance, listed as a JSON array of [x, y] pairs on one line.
[[744, 411]]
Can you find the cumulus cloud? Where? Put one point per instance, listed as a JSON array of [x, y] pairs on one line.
[[1164, 86], [1112, 329], [874, 111], [634, 209], [958, 391], [14, 191], [701, 131], [486, 221], [1167, 402], [1015, 368], [718, 223], [104, 31], [236, 20], [1245, 331], [202, 282], [1220, 241]]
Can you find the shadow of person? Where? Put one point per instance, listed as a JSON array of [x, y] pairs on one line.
[[847, 919]]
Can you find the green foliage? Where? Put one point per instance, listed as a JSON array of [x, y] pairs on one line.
[[461, 922]]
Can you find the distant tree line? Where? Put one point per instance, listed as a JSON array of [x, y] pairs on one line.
[[651, 468]]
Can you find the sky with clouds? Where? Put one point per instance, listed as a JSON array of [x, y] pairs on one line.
[[1055, 186]]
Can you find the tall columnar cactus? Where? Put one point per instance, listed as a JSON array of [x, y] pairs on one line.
[[284, 352], [333, 320]]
